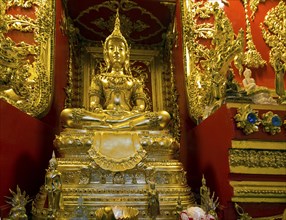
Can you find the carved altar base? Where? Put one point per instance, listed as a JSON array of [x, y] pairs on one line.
[[88, 172]]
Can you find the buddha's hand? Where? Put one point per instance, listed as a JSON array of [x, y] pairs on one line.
[[95, 108]]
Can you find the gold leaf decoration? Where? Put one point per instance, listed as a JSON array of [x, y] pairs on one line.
[[274, 34], [206, 66], [252, 57], [26, 69]]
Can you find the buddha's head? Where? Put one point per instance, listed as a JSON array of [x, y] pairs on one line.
[[115, 49]]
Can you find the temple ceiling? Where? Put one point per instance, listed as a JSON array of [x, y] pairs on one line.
[[142, 22]]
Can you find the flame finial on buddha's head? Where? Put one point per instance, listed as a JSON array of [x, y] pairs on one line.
[[116, 31]]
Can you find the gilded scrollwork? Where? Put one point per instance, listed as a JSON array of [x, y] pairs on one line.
[[206, 67], [26, 68], [274, 34], [257, 158]]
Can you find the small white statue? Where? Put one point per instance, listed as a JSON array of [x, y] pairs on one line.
[[248, 82], [258, 94]]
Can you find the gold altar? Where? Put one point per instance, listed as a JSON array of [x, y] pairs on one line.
[[116, 153]]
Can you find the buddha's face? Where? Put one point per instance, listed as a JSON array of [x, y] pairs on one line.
[[116, 51]]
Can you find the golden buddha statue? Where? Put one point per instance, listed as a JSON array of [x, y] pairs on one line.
[[110, 151], [53, 185], [117, 99]]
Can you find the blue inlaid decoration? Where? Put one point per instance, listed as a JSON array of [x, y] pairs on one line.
[[276, 121], [252, 118]]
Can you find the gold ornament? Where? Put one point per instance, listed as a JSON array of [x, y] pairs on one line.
[[274, 34], [18, 202], [271, 123], [247, 119], [206, 67], [252, 57]]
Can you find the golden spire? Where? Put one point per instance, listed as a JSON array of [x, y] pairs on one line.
[[116, 31]]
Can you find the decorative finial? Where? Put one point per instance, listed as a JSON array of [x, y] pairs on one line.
[[53, 159], [116, 31]]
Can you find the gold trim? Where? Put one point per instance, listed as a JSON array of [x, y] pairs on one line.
[[253, 191], [255, 157], [256, 106], [262, 145], [264, 171]]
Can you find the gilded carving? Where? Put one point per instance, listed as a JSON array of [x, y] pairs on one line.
[[18, 203], [128, 27], [274, 33], [170, 92], [247, 119], [252, 57], [253, 4], [252, 191], [69, 29], [206, 67], [271, 123], [257, 158], [27, 69]]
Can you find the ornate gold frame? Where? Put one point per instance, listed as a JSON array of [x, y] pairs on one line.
[[27, 68]]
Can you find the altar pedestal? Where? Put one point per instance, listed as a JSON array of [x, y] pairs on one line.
[[100, 184]]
